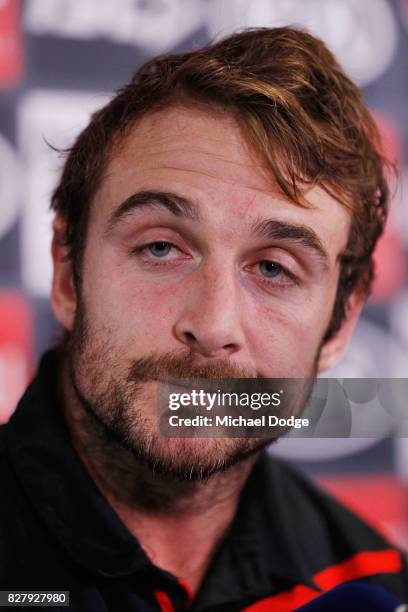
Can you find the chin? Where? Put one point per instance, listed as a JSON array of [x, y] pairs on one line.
[[194, 459]]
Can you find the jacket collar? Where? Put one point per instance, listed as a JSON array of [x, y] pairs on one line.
[[263, 552]]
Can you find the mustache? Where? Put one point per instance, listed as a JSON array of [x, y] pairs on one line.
[[177, 366]]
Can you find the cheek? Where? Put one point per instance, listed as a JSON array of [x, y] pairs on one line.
[[286, 336], [129, 308]]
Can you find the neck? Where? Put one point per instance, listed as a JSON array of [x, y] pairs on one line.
[[154, 507]]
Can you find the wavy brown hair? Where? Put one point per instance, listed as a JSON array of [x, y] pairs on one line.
[[300, 112]]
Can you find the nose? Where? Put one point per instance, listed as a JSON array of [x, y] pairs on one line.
[[210, 320]]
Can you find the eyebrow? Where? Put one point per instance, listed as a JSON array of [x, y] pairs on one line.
[[177, 205], [305, 236], [184, 208]]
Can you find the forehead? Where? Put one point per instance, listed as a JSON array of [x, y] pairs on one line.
[[203, 155], [204, 141]]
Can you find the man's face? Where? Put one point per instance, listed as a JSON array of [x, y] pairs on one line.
[[195, 265]]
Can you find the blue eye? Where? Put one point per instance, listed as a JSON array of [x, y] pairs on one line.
[[270, 269], [160, 249]]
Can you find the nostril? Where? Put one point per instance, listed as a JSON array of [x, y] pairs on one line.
[[189, 336], [230, 346]]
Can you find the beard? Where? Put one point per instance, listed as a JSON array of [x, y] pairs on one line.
[[118, 417]]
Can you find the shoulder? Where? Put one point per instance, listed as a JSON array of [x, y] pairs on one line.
[[2, 430], [3, 452], [4, 492], [332, 540], [319, 510], [4, 460]]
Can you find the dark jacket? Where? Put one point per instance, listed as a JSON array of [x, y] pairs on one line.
[[288, 543]]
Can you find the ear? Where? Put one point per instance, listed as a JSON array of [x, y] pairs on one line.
[[63, 293], [335, 347]]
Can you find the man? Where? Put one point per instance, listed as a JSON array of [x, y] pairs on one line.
[[217, 220]]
